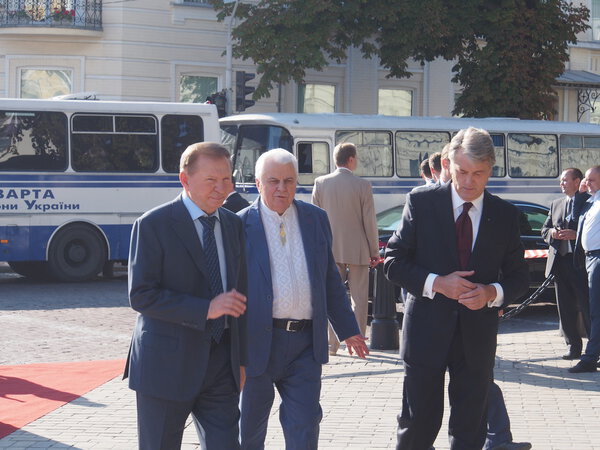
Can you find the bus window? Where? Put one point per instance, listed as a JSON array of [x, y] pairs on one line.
[[532, 155], [130, 144], [177, 132], [253, 140], [412, 147], [33, 141], [579, 151], [499, 169], [313, 161], [228, 137], [374, 151]]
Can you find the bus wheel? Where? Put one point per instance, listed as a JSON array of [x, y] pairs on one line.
[[36, 270], [76, 253]]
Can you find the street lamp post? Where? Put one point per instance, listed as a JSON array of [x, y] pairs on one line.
[[229, 61]]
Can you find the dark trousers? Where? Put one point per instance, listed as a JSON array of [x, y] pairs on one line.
[[161, 422], [571, 298], [294, 372], [498, 422], [423, 403], [592, 350]]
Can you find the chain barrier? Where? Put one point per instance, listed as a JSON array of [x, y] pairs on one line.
[[513, 312]]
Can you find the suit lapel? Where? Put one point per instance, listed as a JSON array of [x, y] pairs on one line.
[[485, 233], [184, 228], [445, 218], [228, 240], [258, 244]]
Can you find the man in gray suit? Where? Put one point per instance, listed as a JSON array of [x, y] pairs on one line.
[[187, 279], [348, 200]]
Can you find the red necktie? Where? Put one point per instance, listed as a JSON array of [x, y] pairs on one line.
[[464, 236]]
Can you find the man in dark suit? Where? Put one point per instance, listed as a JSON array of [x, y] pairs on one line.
[[560, 231], [294, 290], [234, 201], [451, 313], [187, 279]]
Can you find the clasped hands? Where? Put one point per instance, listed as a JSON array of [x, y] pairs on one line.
[[231, 303], [455, 286], [564, 235]]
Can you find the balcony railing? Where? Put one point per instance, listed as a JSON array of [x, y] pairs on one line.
[[82, 14]]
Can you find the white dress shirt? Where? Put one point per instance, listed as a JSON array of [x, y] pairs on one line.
[[475, 216], [289, 272], [590, 229]]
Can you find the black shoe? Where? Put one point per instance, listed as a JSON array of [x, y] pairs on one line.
[[583, 366], [572, 355], [513, 446]]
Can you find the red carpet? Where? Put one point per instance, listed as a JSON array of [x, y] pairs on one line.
[[31, 391]]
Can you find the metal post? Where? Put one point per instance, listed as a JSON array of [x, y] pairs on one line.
[[229, 63], [385, 331]]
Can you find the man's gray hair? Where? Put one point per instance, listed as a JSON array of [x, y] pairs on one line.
[[278, 155], [475, 143]]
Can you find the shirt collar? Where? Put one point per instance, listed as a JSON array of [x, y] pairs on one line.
[[344, 168], [274, 214], [194, 210], [457, 201]]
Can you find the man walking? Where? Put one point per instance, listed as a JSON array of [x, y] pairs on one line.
[[348, 201], [187, 279], [295, 289], [588, 237], [451, 313], [560, 231]]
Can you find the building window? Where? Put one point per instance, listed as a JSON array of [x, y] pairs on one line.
[[41, 83], [316, 98], [195, 88], [595, 13], [395, 102]]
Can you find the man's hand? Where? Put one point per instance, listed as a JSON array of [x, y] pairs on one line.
[[230, 303], [357, 344], [242, 377], [454, 284], [478, 297], [374, 262], [564, 235]]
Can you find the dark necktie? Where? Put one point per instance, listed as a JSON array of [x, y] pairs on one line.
[[464, 235], [563, 246], [214, 326]]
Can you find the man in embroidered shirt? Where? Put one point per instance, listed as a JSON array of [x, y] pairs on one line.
[[294, 290]]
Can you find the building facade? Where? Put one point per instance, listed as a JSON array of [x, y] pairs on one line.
[[174, 50]]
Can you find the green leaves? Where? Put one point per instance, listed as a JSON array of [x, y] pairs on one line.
[[508, 52]]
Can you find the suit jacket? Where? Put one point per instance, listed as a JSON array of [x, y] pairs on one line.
[[348, 200], [557, 216], [235, 202], [328, 294], [425, 243], [578, 253], [170, 288]]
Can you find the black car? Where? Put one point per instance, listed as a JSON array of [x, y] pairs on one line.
[[533, 217]]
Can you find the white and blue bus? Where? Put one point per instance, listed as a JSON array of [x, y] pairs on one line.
[[530, 155], [74, 176]]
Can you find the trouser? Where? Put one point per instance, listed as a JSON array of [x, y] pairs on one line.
[[357, 277]]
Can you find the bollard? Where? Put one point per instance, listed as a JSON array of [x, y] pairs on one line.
[[385, 331]]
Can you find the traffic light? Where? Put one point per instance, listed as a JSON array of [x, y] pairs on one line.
[[219, 99], [241, 90]]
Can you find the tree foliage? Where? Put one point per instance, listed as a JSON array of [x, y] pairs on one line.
[[508, 53]]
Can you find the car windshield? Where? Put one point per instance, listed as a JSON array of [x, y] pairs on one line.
[[389, 219]]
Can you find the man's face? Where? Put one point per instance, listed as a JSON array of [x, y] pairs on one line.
[[593, 180], [568, 184], [277, 185], [208, 182], [469, 177]]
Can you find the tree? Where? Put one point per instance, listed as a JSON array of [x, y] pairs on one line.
[[508, 53]]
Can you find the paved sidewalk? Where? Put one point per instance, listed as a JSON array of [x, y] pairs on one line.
[[549, 407]]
